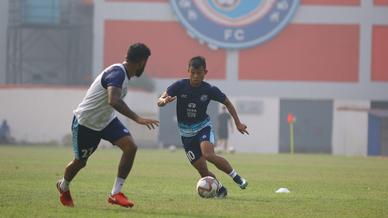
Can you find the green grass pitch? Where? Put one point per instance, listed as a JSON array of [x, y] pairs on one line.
[[162, 184]]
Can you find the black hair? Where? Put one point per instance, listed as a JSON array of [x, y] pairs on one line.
[[137, 52], [197, 62]]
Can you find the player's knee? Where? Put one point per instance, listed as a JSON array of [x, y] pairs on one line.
[[130, 148]]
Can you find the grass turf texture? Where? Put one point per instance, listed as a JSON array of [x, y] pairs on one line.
[[162, 184]]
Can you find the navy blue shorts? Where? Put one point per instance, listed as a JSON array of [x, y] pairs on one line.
[[86, 140], [192, 144]]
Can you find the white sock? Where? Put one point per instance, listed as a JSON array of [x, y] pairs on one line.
[[64, 185], [233, 173], [119, 182]]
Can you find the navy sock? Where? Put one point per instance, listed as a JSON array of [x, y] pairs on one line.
[[237, 179]]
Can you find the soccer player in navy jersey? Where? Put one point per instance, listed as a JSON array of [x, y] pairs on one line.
[[94, 119], [193, 96]]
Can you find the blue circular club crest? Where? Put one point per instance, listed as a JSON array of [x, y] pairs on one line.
[[234, 24]]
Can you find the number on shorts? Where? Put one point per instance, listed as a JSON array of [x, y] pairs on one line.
[[87, 152], [190, 155]]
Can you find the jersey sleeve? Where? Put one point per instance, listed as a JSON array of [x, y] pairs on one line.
[[217, 95], [173, 89], [113, 78]]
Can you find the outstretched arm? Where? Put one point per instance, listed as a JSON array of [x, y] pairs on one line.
[[165, 99], [240, 126], [114, 99]]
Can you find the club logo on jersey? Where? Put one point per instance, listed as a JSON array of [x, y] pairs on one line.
[[203, 98], [183, 96], [234, 24]]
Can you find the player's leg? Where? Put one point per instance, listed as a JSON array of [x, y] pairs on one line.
[[221, 163], [206, 137], [129, 149], [71, 171], [208, 153], [201, 166], [85, 142], [193, 153], [118, 135]]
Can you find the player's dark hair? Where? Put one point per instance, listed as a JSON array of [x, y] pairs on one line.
[[137, 52], [197, 62]]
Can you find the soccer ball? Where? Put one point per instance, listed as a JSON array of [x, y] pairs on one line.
[[207, 187]]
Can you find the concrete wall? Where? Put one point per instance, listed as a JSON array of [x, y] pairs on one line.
[[41, 115], [262, 126]]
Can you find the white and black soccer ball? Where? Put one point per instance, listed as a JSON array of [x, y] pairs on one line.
[[207, 187]]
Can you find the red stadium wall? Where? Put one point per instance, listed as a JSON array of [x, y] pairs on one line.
[[305, 53], [300, 53], [381, 2], [380, 53], [326, 51], [170, 51], [330, 2]]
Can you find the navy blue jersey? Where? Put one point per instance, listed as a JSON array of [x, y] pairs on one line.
[[192, 104]]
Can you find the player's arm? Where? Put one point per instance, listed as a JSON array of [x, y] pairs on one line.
[[240, 126], [165, 99], [114, 99]]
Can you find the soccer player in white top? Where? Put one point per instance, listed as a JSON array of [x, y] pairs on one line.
[[94, 119]]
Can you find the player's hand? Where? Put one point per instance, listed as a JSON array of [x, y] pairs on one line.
[[169, 99], [242, 128], [165, 100], [150, 123]]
